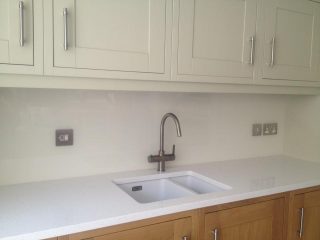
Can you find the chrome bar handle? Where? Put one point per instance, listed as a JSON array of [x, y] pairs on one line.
[[215, 234], [300, 232], [65, 29], [21, 23], [252, 41], [273, 41]]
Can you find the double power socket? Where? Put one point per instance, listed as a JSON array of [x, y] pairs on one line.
[[265, 129]]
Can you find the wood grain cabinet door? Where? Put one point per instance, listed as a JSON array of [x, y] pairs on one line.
[[306, 224], [263, 221], [113, 35], [215, 38], [291, 40], [16, 25]]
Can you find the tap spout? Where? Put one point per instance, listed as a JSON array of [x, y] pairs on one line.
[[163, 121]]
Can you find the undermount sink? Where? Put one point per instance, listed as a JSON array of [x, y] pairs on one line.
[[167, 186]]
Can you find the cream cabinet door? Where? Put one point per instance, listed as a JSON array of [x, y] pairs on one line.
[[16, 32], [291, 40], [216, 38], [113, 35]]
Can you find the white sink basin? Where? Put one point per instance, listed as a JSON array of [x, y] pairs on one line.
[[154, 190], [166, 186]]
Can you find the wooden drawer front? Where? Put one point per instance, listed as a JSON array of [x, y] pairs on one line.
[[170, 230], [162, 231], [263, 221]]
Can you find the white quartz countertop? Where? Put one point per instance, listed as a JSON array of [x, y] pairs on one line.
[[54, 208]]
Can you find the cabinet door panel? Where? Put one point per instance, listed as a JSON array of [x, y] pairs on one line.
[[257, 221], [312, 222], [310, 202], [294, 25], [114, 35], [214, 37], [10, 50]]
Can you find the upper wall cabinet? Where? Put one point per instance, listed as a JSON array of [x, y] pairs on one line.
[[291, 40], [20, 36], [187, 42], [217, 39], [113, 39]]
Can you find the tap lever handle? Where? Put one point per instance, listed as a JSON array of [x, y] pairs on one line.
[[173, 149]]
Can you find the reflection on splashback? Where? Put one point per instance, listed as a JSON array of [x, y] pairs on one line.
[[116, 131]]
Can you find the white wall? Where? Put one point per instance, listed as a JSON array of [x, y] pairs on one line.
[[116, 131], [302, 138]]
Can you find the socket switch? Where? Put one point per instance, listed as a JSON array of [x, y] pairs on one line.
[[64, 137], [270, 129], [257, 129]]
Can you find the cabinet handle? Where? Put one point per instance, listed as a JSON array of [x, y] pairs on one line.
[[185, 238], [215, 234], [21, 23], [252, 42], [300, 232], [65, 29], [273, 41]]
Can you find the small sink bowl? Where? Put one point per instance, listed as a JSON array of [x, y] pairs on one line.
[[196, 185], [167, 186]]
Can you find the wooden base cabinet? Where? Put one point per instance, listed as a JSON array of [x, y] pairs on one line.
[[305, 219]]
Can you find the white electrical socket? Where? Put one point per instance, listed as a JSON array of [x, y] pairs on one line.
[[270, 129]]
